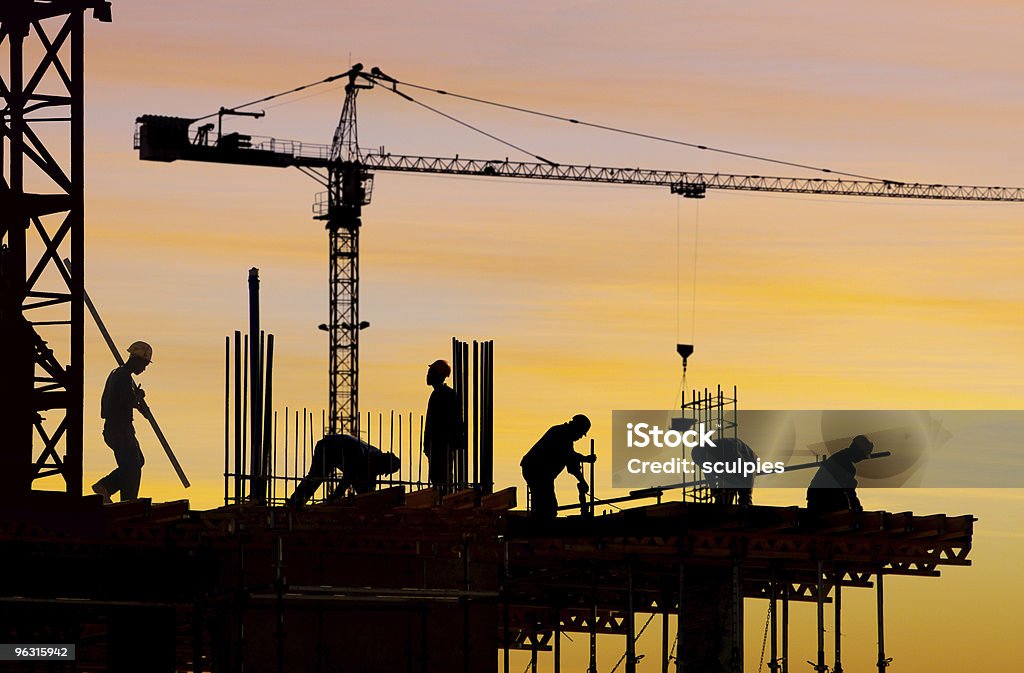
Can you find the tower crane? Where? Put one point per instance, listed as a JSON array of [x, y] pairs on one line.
[[347, 173]]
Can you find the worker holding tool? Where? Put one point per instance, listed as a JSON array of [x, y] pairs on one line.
[[545, 461], [120, 398], [442, 429], [834, 486]]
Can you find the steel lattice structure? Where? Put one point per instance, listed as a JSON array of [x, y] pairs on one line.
[[41, 302]]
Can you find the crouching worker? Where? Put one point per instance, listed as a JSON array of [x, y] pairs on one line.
[[360, 463], [549, 456], [728, 488], [834, 486]]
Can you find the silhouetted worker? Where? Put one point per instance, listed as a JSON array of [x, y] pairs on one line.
[[120, 398], [549, 456], [728, 488], [834, 486], [442, 429], [360, 463]]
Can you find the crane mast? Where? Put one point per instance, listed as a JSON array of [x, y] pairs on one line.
[[348, 186]]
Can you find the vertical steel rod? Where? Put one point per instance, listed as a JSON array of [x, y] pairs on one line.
[[883, 663], [737, 619], [268, 406], [837, 667], [592, 668], [287, 413], [630, 623], [820, 600], [592, 485], [476, 414], [679, 617], [665, 654], [227, 414], [255, 376], [238, 416], [773, 664], [243, 469], [558, 637], [785, 628]]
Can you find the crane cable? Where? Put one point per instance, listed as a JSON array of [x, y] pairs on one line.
[[693, 290], [470, 126], [325, 80], [637, 134]]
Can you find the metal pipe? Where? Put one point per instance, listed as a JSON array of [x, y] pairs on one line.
[[255, 375], [883, 663], [838, 584], [820, 600]]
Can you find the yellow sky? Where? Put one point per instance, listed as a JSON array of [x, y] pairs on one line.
[[802, 302]]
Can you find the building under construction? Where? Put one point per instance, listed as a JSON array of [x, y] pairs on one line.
[[401, 579], [396, 581]]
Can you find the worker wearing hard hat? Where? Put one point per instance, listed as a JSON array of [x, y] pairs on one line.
[[834, 486], [443, 429], [549, 456], [120, 398]]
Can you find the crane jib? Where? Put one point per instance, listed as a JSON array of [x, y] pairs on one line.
[[168, 139]]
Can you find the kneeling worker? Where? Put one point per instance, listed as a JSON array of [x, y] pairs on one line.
[[834, 486], [360, 464], [546, 460]]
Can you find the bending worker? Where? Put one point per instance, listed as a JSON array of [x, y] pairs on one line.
[[834, 486], [549, 456], [360, 463], [120, 398]]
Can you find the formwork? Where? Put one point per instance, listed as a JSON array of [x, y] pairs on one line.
[[395, 581]]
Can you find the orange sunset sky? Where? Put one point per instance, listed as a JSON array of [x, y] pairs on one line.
[[801, 302]]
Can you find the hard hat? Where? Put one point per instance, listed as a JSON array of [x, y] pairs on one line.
[[141, 349], [862, 444], [441, 367], [582, 421]]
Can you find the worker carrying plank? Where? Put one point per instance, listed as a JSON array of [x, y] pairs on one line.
[[442, 429], [361, 464], [834, 486], [120, 398], [545, 461]]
